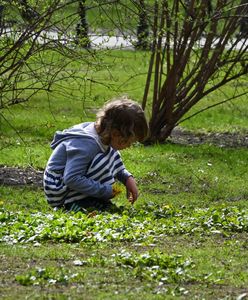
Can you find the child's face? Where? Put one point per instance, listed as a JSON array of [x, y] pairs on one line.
[[118, 142]]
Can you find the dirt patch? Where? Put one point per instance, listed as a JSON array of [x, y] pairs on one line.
[[20, 176], [232, 140], [30, 177]]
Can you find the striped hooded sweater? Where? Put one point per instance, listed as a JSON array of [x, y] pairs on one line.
[[81, 166]]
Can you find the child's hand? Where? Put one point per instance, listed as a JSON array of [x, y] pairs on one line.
[[132, 190]]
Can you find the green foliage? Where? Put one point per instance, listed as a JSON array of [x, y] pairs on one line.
[[184, 238], [149, 265], [155, 265], [143, 226], [160, 248], [48, 276]]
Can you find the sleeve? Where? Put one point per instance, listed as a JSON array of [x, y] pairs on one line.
[[123, 175], [80, 153]]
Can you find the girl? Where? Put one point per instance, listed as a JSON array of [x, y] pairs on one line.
[[85, 161]]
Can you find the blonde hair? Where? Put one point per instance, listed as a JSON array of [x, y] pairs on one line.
[[122, 114]]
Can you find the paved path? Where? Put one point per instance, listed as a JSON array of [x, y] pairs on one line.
[[97, 41], [112, 42]]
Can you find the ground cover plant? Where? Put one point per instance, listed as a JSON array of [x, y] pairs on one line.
[[185, 238]]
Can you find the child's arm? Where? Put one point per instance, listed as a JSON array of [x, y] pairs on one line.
[[132, 190], [127, 179]]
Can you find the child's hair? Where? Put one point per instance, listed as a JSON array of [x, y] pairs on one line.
[[122, 114]]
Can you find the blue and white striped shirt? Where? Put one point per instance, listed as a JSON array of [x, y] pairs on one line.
[[81, 166]]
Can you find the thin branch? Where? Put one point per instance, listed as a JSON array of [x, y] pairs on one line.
[[211, 106]]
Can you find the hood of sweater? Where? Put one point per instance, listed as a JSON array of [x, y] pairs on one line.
[[86, 130]]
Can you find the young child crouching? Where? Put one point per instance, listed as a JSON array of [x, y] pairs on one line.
[[85, 162]]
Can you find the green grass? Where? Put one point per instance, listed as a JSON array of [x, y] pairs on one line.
[[27, 129], [185, 238], [228, 117]]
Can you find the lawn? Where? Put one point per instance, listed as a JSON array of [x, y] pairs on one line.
[[185, 237]]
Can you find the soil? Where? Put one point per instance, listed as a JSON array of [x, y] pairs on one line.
[[228, 140], [16, 176]]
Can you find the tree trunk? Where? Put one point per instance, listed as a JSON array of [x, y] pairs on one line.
[[183, 72], [82, 29], [142, 29]]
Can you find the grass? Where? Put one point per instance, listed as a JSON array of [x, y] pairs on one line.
[[220, 118], [185, 238], [28, 128]]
